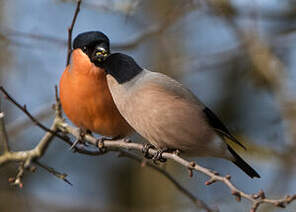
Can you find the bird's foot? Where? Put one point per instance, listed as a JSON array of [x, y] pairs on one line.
[[79, 140], [158, 156], [145, 150]]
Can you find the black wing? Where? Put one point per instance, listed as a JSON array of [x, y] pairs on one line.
[[219, 127]]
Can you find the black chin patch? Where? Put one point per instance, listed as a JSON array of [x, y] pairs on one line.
[[122, 67]]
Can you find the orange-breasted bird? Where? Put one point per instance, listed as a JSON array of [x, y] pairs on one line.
[[84, 93]]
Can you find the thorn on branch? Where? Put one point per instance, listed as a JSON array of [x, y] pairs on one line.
[[255, 207], [237, 195], [228, 177], [192, 164], [79, 140], [210, 181], [190, 172]]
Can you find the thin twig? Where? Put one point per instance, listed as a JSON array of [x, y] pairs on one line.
[[70, 29], [62, 176], [42, 113], [36, 152], [24, 109], [3, 134]]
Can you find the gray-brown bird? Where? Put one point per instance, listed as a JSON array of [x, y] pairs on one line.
[[167, 114]]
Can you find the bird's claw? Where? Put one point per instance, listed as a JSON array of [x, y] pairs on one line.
[[158, 156], [145, 150]]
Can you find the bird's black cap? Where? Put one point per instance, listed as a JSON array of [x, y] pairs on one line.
[[88, 38], [122, 67]]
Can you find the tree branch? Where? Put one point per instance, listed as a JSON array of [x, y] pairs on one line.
[[62, 176], [121, 145], [37, 152], [42, 113], [70, 29], [3, 132], [26, 157], [118, 145]]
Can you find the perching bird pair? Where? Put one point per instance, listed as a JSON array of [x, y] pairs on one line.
[[110, 94]]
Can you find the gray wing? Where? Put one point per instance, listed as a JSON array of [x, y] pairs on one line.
[[179, 90], [219, 127]]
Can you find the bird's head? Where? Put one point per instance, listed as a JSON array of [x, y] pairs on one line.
[[94, 44]]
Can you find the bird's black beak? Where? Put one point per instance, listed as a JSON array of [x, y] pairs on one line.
[[100, 54]]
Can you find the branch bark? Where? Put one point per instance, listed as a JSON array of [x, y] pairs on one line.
[[3, 134], [70, 29]]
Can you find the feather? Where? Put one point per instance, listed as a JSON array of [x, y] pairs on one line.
[[219, 127]]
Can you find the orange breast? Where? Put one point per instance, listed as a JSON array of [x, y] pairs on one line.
[[86, 99]]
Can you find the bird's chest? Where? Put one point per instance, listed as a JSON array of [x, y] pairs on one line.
[[85, 98]]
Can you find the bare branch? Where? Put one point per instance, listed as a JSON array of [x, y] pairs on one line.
[[62, 176], [42, 113], [70, 29], [30, 155], [26, 157], [24, 109], [3, 133], [121, 145], [118, 145]]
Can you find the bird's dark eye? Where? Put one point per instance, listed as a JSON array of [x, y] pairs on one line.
[[84, 49]]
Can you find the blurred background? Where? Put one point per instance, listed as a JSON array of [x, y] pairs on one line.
[[237, 56]]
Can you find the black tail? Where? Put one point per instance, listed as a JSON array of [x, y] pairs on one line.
[[242, 164]]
